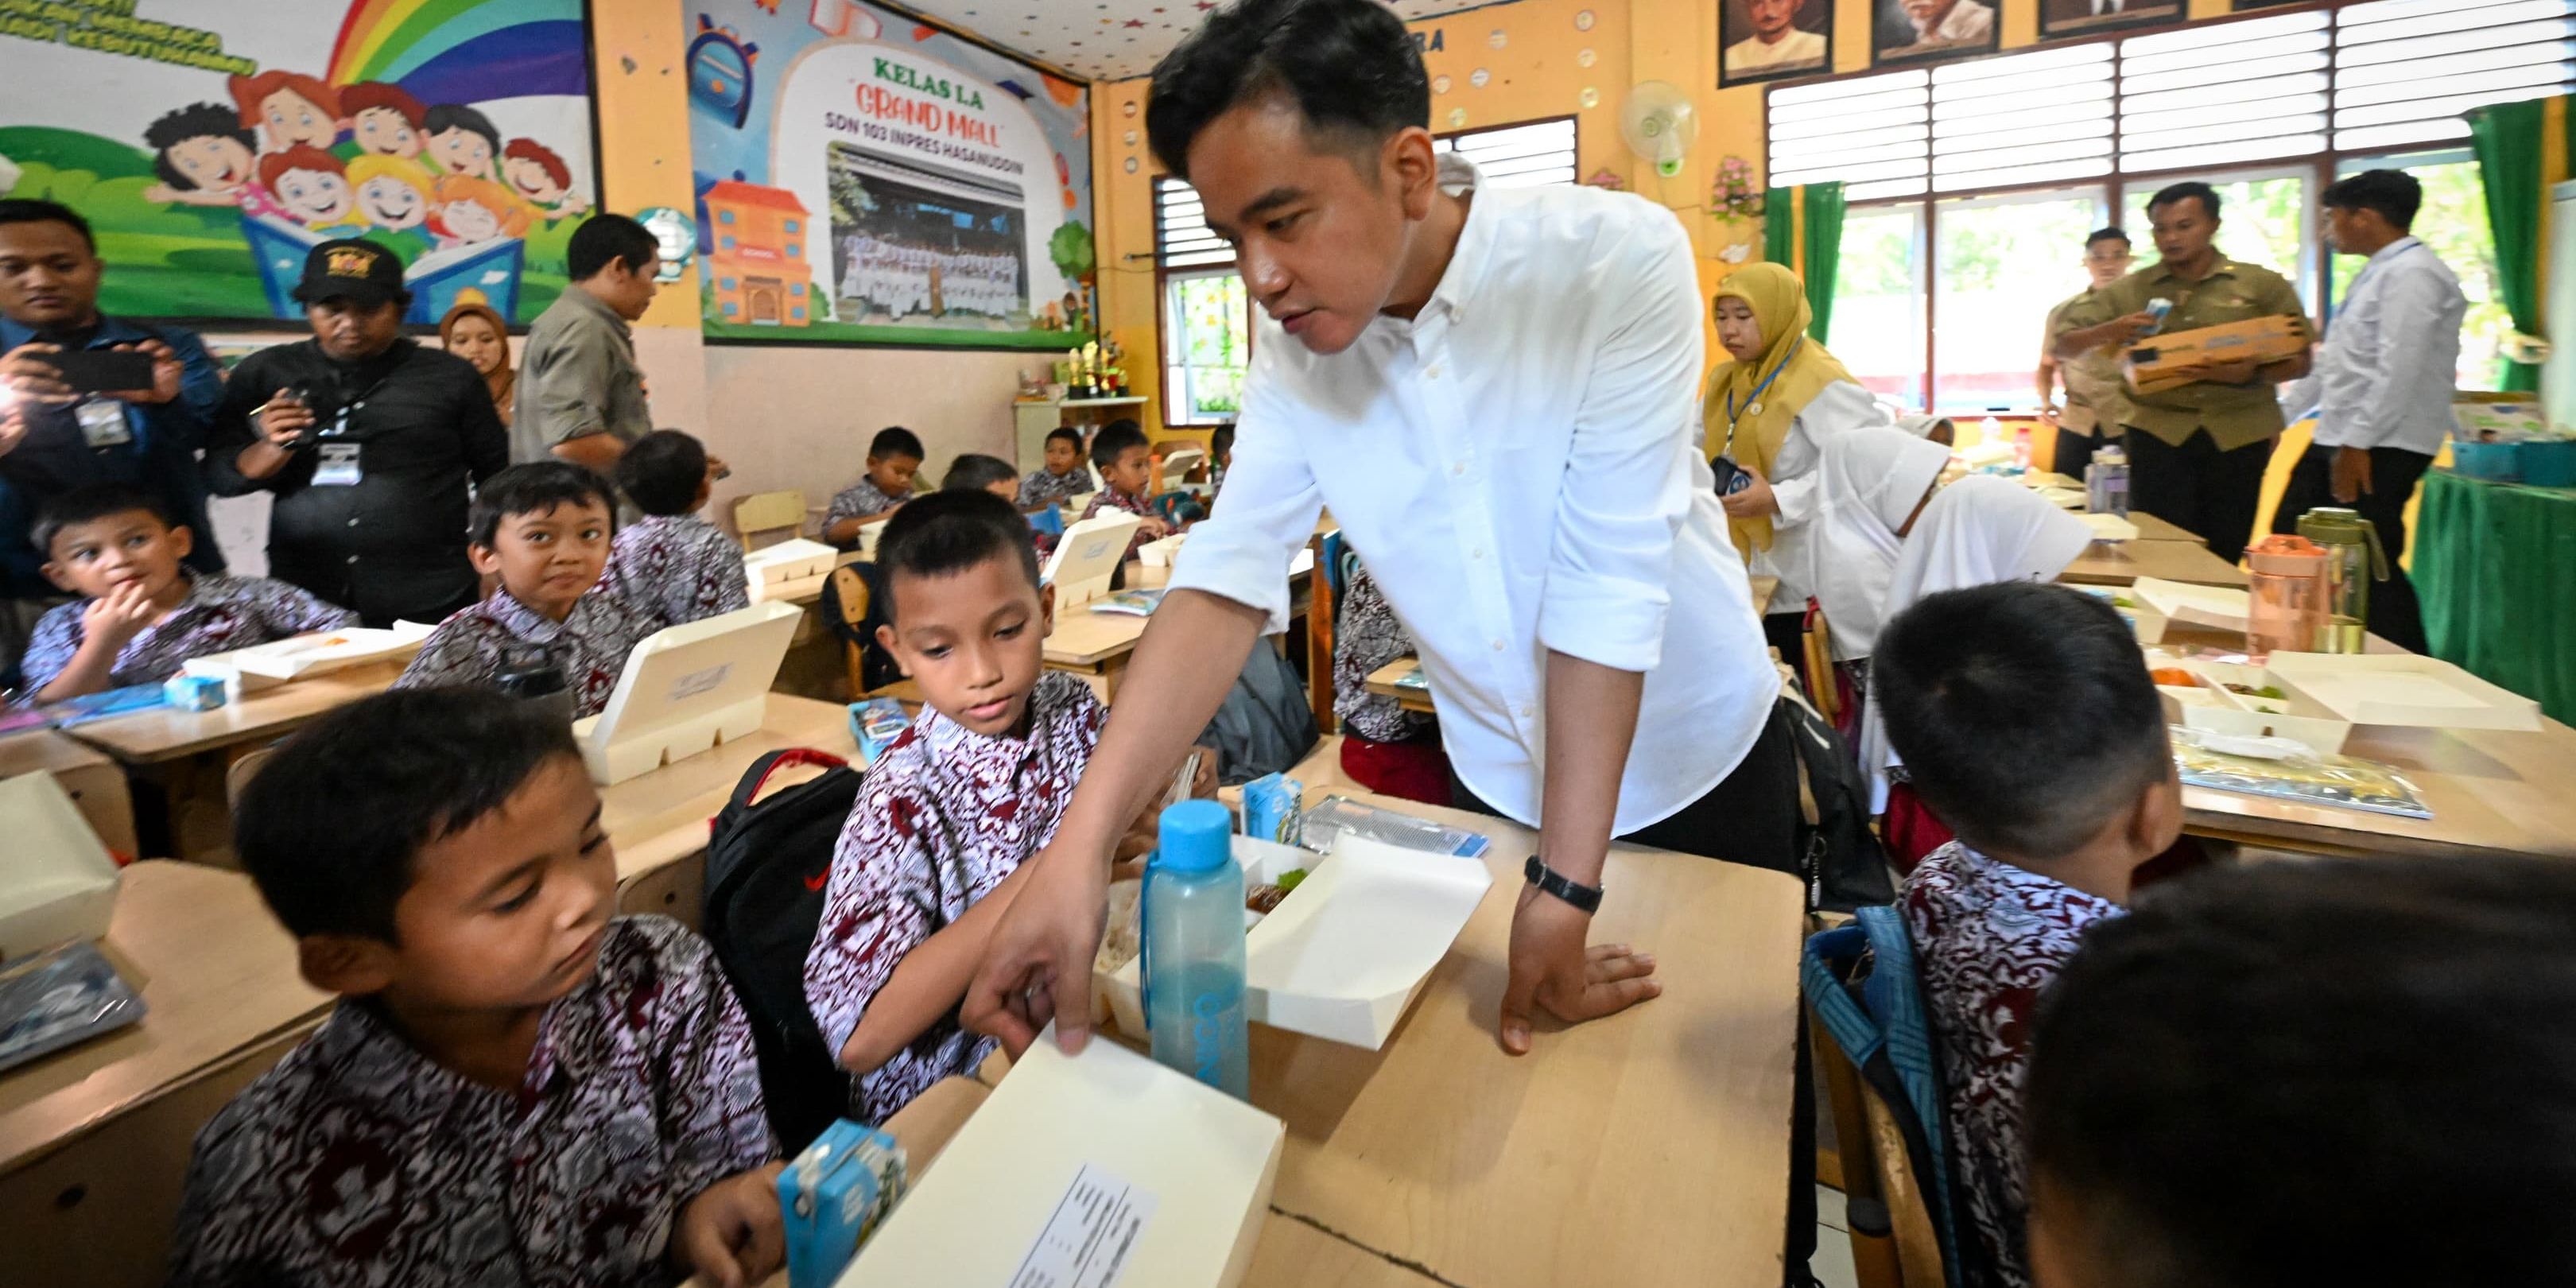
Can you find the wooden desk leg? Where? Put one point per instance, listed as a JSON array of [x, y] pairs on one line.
[[1111, 673]]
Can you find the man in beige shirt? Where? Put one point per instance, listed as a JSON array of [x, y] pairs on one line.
[[2092, 379], [2196, 452], [581, 396]]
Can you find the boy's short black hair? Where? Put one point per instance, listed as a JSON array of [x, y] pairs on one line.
[[662, 471], [2023, 712], [35, 210], [1114, 439], [89, 505], [2113, 233], [1066, 434], [2187, 190], [948, 532], [2334, 1071], [2393, 193], [534, 488], [976, 470], [195, 121], [605, 239], [331, 826], [1350, 66], [893, 441], [443, 117], [1221, 442]]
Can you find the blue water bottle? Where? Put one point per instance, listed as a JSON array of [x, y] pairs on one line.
[[1193, 967]]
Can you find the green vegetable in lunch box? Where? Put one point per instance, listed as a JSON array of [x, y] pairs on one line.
[[1288, 880]]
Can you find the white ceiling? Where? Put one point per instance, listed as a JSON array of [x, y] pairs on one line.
[[1106, 39]]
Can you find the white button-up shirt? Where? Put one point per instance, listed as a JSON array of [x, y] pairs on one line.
[[2384, 376], [1519, 468]]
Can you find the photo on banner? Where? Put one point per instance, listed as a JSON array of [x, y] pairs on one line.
[[1762, 40], [212, 144], [866, 178], [1908, 32], [2086, 17]]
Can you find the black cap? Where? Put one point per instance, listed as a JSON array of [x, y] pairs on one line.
[[352, 269]]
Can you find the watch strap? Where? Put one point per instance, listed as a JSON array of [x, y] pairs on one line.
[[1551, 882]]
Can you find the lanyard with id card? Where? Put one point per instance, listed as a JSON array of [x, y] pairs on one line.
[[336, 464], [102, 423]]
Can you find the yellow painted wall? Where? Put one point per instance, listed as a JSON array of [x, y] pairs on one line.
[[1538, 70]]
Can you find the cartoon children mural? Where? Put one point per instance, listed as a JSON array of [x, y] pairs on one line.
[[541, 179], [204, 155], [394, 195], [462, 141], [465, 210], [313, 188], [288, 108], [384, 120]]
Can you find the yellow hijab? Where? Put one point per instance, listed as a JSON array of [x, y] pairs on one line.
[[1795, 365]]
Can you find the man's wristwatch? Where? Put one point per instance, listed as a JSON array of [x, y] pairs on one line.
[[1584, 898]]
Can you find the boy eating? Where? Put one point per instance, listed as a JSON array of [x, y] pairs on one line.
[[141, 612], [543, 529], [976, 472], [2053, 813], [673, 565], [517, 1086], [1126, 464], [894, 457], [1062, 476], [928, 856]]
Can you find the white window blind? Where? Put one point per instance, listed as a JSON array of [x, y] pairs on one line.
[[1519, 156], [1873, 133], [2041, 117], [2224, 94], [2406, 70], [1182, 238]]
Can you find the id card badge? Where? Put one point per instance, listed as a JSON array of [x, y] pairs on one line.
[[336, 465], [102, 423]]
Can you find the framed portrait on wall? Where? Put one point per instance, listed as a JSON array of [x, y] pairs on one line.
[[2085, 17], [1922, 31], [1762, 40]]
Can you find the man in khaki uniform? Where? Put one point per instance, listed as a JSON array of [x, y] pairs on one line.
[[2094, 400], [2197, 452]]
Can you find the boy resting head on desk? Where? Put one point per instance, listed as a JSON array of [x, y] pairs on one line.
[[927, 860], [517, 1086], [2323, 1073], [673, 565], [543, 529], [141, 612], [894, 458], [2025, 715]]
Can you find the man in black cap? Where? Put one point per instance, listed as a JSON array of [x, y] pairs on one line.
[[367, 439]]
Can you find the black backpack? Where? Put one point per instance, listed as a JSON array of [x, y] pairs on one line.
[[1265, 725], [1840, 856], [767, 866]]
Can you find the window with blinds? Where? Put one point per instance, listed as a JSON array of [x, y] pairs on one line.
[[2040, 117], [1182, 238], [2405, 70], [1535, 155], [2221, 95]]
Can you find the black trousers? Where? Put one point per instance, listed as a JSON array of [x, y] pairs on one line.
[[2075, 451], [2214, 493], [2395, 615]]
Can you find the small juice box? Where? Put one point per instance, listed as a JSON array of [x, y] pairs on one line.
[[193, 692], [874, 724], [833, 1196], [1271, 808]]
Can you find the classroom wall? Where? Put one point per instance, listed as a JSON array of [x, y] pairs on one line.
[[1534, 54]]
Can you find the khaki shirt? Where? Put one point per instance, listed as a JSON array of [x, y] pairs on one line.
[[577, 376], [2096, 392], [2235, 415]]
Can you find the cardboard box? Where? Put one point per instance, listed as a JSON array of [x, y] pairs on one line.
[[2109, 527], [791, 560], [2152, 362], [1100, 1168], [57, 883], [2220, 608], [686, 689], [265, 666], [2403, 689], [2212, 706]]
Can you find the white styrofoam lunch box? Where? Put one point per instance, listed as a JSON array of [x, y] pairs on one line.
[[57, 882]]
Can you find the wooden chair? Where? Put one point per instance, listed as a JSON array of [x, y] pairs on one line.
[[1895, 1241], [245, 767], [768, 514], [852, 591], [1319, 641]]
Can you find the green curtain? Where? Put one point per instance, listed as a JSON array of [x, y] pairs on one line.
[[2507, 137], [1779, 226], [2495, 567], [1824, 253]]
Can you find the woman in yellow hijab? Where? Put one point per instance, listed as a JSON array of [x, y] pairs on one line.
[[1768, 411]]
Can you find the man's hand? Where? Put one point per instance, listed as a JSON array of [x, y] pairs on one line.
[[33, 379], [13, 426], [166, 374], [1037, 966], [282, 420], [1553, 972], [1754, 502], [1154, 527], [2051, 413], [731, 1235], [2351, 474], [118, 616]]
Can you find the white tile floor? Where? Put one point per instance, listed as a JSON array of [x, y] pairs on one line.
[[1832, 1264]]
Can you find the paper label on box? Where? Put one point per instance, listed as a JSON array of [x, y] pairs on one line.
[[1089, 1240], [697, 682]]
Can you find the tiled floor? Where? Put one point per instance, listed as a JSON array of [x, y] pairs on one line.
[[1832, 1264]]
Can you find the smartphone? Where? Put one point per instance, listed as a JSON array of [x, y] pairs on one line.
[[1731, 477], [98, 371]]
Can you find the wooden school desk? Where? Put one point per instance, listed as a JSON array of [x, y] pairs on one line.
[[2489, 792], [1385, 683], [95, 783], [2151, 528], [94, 1139], [2122, 563], [1095, 646]]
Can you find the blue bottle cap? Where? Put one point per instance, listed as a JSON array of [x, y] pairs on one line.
[[1197, 836]]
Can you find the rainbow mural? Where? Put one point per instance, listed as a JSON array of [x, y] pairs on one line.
[[463, 51]]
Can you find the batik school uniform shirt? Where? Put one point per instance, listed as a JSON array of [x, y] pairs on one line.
[[1367, 637], [590, 644], [360, 1161], [220, 613], [1989, 938], [860, 500], [1045, 487], [1113, 499], [677, 568], [942, 818]]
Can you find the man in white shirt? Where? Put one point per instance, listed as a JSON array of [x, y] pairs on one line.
[[1943, 23], [2382, 386], [1495, 391], [1776, 45]]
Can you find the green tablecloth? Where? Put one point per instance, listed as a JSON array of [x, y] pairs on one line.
[[2495, 564]]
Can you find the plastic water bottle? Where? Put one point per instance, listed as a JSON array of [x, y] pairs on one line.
[[1193, 932], [2108, 481]]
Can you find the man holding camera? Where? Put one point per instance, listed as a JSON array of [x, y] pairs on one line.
[[85, 399], [367, 439]]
